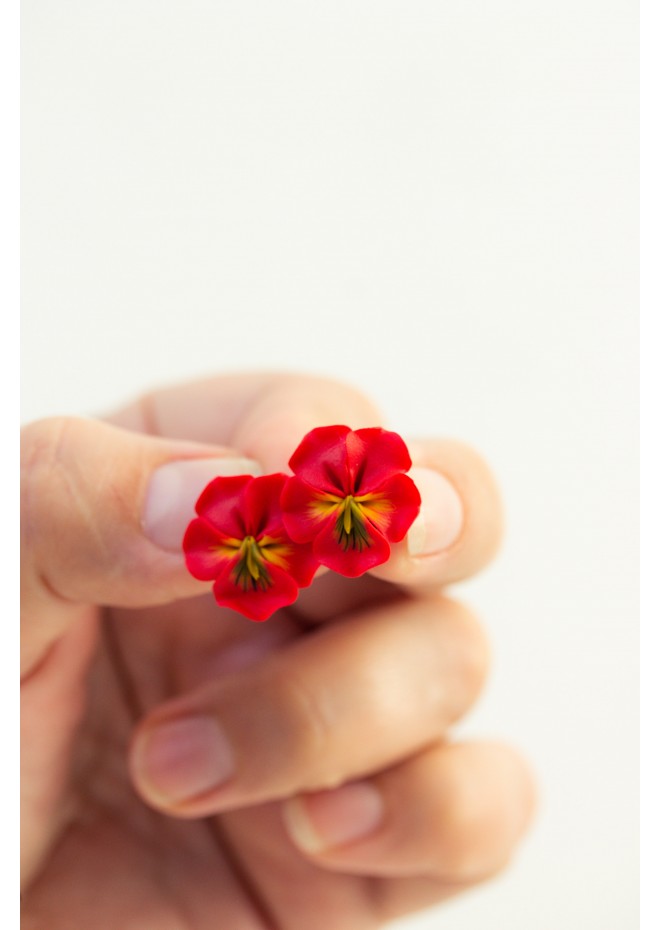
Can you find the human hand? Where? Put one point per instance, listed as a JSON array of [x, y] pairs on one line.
[[183, 767]]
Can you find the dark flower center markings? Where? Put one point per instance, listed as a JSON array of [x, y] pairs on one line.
[[250, 570], [253, 555], [351, 527], [353, 514], [244, 547]]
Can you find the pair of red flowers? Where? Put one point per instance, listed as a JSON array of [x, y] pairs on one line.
[[261, 539]]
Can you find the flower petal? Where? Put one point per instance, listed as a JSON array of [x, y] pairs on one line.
[[262, 514], [221, 503], [204, 550], [350, 562], [265, 523], [257, 603], [303, 565], [296, 559], [402, 502], [320, 459], [305, 510], [373, 455]]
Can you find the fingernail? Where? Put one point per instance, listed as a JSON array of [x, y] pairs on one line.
[[440, 518], [182, 759], [327, 819], [173, 492]]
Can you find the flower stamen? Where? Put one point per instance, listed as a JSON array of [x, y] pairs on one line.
[[350, 526], [251, 571]]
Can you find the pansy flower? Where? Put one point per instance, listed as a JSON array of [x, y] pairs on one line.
[[349, 496], [239, 541]]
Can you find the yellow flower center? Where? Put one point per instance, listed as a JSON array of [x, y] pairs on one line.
[[353, 514], [250, 570]]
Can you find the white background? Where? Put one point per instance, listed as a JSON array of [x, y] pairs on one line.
[[438, 203]]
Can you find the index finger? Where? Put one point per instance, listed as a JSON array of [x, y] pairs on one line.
[[264, 414]]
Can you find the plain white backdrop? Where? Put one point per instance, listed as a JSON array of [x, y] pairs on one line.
[[438, 203]]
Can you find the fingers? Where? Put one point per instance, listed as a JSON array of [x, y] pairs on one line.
[[349, 699], [265, 415], [459, 527], [453, 813], [103, 514], [104, 509]]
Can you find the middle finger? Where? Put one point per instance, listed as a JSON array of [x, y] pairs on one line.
[[343, 701]]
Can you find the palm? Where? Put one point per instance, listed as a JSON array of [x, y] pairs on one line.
[[117, 861]]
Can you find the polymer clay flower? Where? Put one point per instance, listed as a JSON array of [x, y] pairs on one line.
[[349, 496], [239, 541]]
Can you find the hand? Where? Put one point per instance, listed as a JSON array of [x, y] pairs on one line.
[[183, 767]]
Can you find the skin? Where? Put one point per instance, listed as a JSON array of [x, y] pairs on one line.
[[359, 682]]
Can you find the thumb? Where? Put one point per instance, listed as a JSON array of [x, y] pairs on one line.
[[103, 513]]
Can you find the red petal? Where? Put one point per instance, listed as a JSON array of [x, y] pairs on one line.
[[350, 562], [296, 559], [300, 512], [262, 513], [201, 546], [374, 455], [257, 604], [262, 499], [221, 503], [320, 459], [302, 564], [402, 494]]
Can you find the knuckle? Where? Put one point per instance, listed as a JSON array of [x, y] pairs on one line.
[[330, 395], [41, 441], [42, 452], [286, 407], [55, 505], [42, 497]]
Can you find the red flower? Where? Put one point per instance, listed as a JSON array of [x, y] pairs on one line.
[[238, 540], [349, 496]]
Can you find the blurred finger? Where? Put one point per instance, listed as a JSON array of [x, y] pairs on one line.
[[454, 813], [264, 415], [349, 699], [103, 512], [459, 527]]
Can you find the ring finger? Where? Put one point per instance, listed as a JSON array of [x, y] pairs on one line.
[[411, 836]]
